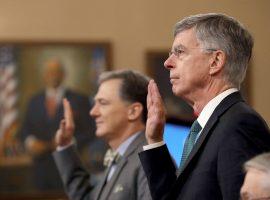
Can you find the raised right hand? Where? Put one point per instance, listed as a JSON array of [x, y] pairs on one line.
[[156, 117], [66, 129]]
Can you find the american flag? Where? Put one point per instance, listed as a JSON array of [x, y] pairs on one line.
[[8, 94]]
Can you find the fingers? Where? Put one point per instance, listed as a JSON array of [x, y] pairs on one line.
[[153, 97], [60, 133], [156, 114], [149, 95], [155, 92], [63, 136], [68, 115], [62, 125]]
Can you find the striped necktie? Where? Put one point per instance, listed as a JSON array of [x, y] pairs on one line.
[[190, 141]]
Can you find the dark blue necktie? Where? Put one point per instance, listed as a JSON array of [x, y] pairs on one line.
[[190, 141]]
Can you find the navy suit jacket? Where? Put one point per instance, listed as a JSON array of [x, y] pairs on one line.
[[233, 134]]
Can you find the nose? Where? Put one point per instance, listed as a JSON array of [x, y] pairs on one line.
[[94, 111], [168, 64]]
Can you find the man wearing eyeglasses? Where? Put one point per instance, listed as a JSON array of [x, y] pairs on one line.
[[257, 181], [207, 64]]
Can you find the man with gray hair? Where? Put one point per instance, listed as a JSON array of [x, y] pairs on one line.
[[120, 115], [257, 180], [207, 64]]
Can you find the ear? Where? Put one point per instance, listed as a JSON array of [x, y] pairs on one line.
[[135, 111], [217, 62]]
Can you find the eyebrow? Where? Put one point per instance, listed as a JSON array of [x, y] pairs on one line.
[[99, 98], [179, 46]]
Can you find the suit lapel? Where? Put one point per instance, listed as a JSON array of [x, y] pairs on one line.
[[101, 185], [206, 132], [111, 184], [139, 140], [107, 190]]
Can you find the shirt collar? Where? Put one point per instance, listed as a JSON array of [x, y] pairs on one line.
[[123, 147], [57, 93], [211, 106]]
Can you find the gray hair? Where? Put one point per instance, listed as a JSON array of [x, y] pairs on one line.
[[221, 32], [260, 162], [134, 86]]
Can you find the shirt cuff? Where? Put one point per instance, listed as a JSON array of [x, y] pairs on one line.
[[154, 145], [61, 148]]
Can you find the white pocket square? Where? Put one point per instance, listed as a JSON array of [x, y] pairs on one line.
[[118, 188]]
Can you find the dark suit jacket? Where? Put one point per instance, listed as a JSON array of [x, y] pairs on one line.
[[233, 134], [127, 183], [37, 123]]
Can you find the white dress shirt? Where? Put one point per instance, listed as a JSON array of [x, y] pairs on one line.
[[57, 93]]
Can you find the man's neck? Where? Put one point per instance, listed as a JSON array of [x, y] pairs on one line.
[[207, 95], [115, 143]]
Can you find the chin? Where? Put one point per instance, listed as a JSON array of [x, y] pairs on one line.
[[100, 133], [177, 92]]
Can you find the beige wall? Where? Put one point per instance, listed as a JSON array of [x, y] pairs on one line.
[[133, 27]]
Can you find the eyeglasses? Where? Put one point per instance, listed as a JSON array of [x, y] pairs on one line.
[[178, 52]]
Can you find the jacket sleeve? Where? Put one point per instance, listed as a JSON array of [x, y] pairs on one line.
[[159, 170], [143, 192], [75, 178]]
